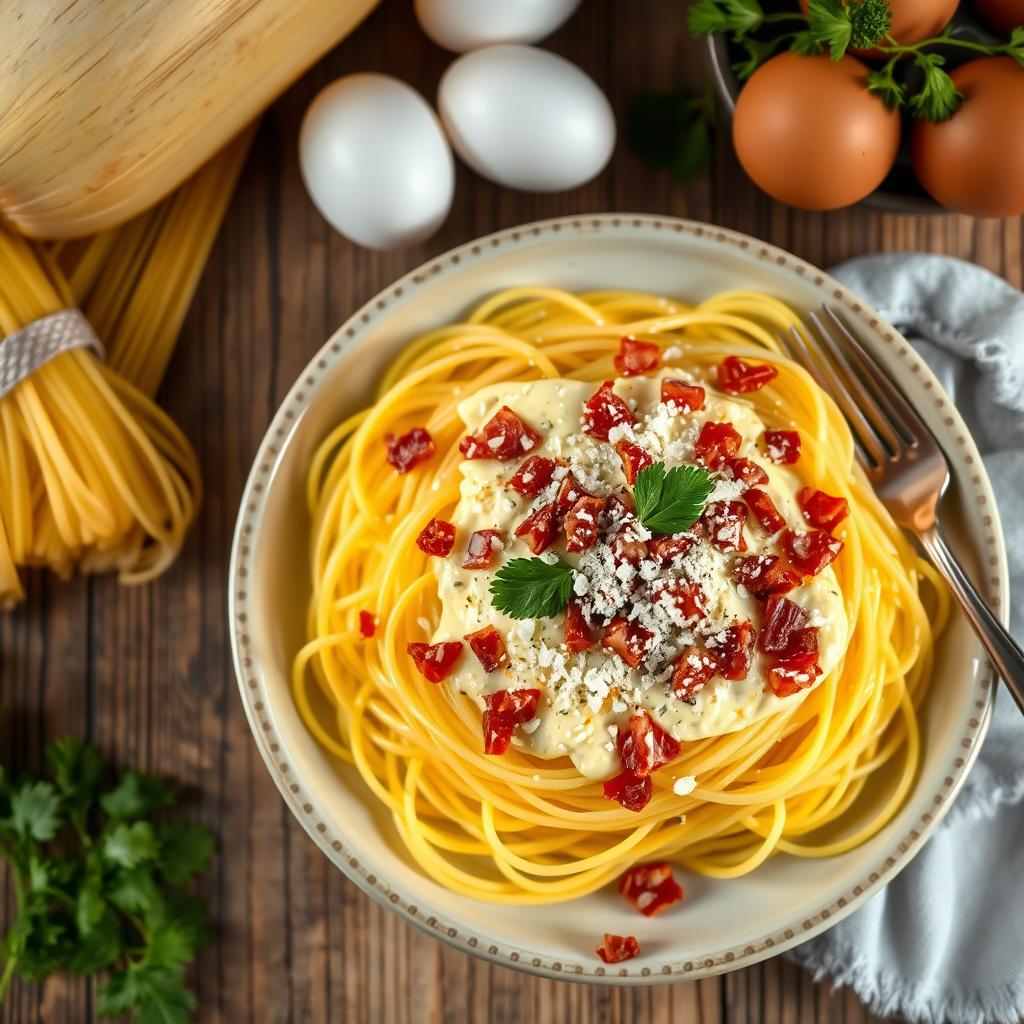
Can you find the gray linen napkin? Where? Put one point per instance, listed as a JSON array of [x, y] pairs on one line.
[[945, 940]]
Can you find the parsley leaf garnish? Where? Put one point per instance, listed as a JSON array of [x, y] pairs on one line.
[[938, 98], [98, 885], [531, 588], [670, 502]]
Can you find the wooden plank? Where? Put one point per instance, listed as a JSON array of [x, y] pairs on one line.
[[147, 672]]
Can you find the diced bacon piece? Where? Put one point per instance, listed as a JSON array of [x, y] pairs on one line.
[[489, 648], [504, 712], [636, 357], [693, 670], [582, 524], [505, 436], [738, 377], [634, 459], [732, 648], [791, 675], [634, 794], [569, 493], [809, 553], [532, 476], [484, 546], [716, 443], [724, 522], [747, 472], [650, 888], [617, 948], [605, 410], [782, 446], [682, 397], [410, 449], [664, 549], [539, 529], [437, 538], [645, 747], [764, 575], [822, 510], [577, 633], [781, 621], [689, 598], [367, 624], [435, 661], [760, 503], [628, 640], [625, 540]]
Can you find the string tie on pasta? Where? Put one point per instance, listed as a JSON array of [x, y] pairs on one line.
[[32, 346]]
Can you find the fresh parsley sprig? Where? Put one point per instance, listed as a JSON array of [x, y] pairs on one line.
[[99, 884], [672, 501], [532, 588]]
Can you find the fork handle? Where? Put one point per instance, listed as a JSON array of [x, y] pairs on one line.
[[1005, 655]]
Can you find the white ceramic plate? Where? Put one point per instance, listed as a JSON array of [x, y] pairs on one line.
[[723, 924]]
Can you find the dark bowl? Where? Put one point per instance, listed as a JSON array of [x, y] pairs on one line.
[[900, 192]]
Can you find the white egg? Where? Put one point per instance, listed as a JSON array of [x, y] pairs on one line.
[[526, 118], [462, 25], [375, 161]]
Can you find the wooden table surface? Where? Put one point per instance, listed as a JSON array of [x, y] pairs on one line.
[[147, 673]]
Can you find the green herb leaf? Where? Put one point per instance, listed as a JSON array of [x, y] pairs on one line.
[[35, 811], [883, 82], [131, 845], [671, 502], [757, 53], [938, 97], [737, 16], [531, 588], [673, 130], [135, 796], [870, 21], [805, 43], [77, 769], [830, 25], [185, 850]]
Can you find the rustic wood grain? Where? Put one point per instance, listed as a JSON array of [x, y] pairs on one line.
[[147, 672]]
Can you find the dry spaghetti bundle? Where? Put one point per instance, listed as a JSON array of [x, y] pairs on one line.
[[93, 474]]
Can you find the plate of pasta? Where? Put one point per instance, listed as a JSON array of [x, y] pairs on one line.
[[567, 625]]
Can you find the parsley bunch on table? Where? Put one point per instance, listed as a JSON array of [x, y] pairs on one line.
[[100, 884]]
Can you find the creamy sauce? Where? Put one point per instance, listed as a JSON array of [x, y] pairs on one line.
[[588, 697]]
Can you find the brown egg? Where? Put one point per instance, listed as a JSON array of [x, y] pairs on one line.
[[974, 161], [914, 20], [1001, 15], [809, 133]]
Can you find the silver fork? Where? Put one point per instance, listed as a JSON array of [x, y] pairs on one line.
[[904, 463]]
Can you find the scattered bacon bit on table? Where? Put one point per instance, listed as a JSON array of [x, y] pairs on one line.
[[505, 711], [650, 888], [583, 523], [693, 670], [822, 510], [437, 538], [809, 553], [435, 661], [764, 575], [747, 472], [483, 549], [634, 459], [763, 509], [738, 377], [532, 476], [505, 436], [409, 450], [732, 648], [605, 410], [539, 529], [488, 647], [617, 948], [724, 522], [636, 357], [367, 624], [682, 397], [782, 446], [577, 633], [628, 640], [716, 443]]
